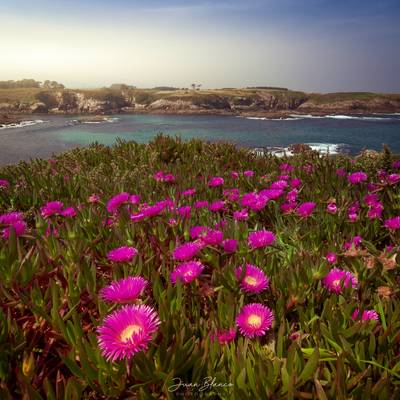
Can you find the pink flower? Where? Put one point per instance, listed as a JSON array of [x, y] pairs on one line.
[[127, 331], [229, 245], [241, 215], [331, 208], [260, 239], [216, 181], [212, 237], [337, 278], [254, 279], [341, 172], [271, 194], [375, 211], [196, 231], [288, 207], [248, 173], [331, 258], [393, 223], [201, 204], [116, 201], [295, 183], [306, 209], [189, 192], [224, 336], [217, 205], [234, 175], [187, 272], [69, 212], [52, 208], [231, 194], [254, 319], [371, 199], [279, 185], [4, 183], [124, 290], [254, 201], [93, 198], [122, 254], [396, 164], [367, 315], [393, 179], [357, 177], [134, 199], [12, 220], [285, 167], [186, 251], [184, 211]]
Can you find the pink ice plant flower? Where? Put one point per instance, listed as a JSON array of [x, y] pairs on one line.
[[212, 237], [127, 331], [331, 208], [229, 245], [254, 319], [254, 279], [217, 205], [224, 336], [259, 239], [124, 290], [12, 220], [367, 315], [116, 201], [331, 258], [357, 177], [4, 183], [187, 272], [241, 215], [337, 278], [187, 251], [52, 208], [306, 209], [122, 254], [393, 223], [216, 181]]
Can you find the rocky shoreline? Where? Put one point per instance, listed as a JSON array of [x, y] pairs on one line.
[[274, 104]]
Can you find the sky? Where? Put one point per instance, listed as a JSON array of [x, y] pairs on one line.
[[310, 45]]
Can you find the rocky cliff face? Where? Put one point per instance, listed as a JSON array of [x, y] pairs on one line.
[[255, 102]]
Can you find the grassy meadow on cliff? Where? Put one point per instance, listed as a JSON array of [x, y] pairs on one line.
[[192, 270]]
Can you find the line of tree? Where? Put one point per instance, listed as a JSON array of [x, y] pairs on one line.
[[30, 83], [267, 87]]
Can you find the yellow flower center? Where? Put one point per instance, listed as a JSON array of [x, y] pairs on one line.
[[250, 280], [254, 320], [129, 331], [336, 282], [188, 273]]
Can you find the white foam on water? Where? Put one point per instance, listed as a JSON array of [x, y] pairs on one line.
[[322, 148], [21, 124]]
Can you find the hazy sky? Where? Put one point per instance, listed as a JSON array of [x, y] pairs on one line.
[[312, 45]]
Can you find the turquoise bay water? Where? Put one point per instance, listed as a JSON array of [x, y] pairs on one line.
[[53, 134]]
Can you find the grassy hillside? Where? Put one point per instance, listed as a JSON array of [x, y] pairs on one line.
[[277, 277]]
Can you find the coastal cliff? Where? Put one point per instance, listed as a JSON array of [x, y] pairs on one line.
[[256, 102]]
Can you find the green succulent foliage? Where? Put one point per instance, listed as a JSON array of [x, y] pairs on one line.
[[49, 281]]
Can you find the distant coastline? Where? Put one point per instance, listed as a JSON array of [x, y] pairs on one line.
[[18, 103]]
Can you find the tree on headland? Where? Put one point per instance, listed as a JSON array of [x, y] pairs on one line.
[[23, 83], [195, 86], [52, 85]]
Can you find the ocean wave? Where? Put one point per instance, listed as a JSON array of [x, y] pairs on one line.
[[296, 117], [21, 124], [322, 148], [342, 117]]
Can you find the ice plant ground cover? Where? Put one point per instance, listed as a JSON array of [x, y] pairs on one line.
[[124, 269]]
